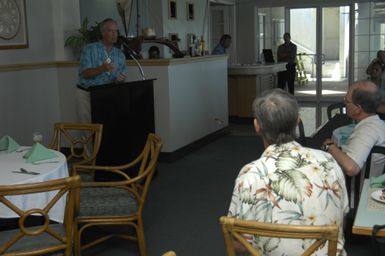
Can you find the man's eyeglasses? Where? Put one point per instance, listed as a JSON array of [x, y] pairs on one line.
[[347, 101]]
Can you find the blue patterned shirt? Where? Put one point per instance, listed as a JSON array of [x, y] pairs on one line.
[[93, 55], [219, 49]]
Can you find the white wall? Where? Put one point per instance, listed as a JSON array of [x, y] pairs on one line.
[[189, 99], [181, 25], [29, 102], [30, 98], [246, 33], [66, 21], [153, 13]]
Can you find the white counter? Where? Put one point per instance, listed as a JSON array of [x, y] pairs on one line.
[[190, 97], [256, 69], [247, 81]]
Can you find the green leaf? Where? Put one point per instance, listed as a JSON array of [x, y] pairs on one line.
[[292, 185], [84, 35]]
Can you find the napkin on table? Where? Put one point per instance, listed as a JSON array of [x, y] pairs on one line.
[[377, 182], [345, 133], [39, 153], [8, 144]]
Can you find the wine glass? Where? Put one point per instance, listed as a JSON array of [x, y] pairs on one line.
[[37, 137]]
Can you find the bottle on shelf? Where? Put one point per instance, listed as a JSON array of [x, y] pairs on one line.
[[202, 46]]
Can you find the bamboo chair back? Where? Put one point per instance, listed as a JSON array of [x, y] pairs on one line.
[[46, 238], [80, 142], [235, 229], [118, 202], [169, 253], [335, 108]]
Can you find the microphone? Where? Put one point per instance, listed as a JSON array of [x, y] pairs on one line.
[[131, 53]]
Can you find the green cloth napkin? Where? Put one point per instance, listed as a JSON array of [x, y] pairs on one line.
[[39, 153], [8, 144], [377, 182]]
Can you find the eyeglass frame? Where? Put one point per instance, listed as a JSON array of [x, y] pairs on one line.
[[346, 101]]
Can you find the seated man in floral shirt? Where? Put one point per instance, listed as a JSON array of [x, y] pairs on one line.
[[288, 184]]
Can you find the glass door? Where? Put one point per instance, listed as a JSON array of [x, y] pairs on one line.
[[322, 38]]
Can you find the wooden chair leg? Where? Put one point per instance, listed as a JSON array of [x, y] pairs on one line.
[[77, 245], [141, 239]]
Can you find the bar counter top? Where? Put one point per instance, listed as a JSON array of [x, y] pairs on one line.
[[256, 69]]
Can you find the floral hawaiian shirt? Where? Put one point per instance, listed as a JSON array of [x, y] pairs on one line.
[[291, 184]]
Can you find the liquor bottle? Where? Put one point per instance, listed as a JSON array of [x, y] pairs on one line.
[[198, 48], [202, 46]]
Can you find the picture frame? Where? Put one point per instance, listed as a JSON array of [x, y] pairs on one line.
[[190, 11], [172, 9], [174, 37], [190, 39], [14, 32]]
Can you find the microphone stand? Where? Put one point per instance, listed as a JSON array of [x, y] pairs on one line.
[[130, 52]]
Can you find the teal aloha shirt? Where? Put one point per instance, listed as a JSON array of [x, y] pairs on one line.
[[93, 55], [291, 184]]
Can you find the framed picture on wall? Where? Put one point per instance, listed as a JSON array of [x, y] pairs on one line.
[[190, 11], [174, 37], [13, 24], [190, 39], [172, 13]]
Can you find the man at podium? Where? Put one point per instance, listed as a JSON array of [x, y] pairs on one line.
[[100, 63]]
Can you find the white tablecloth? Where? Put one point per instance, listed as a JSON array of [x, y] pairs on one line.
[[10, 162]]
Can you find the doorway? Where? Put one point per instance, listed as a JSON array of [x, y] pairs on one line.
[[322, 38], [222, 21]]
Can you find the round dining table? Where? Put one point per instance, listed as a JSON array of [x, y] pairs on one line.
[[15, 170]]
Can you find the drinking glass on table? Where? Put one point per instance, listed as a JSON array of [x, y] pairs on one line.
[[37, 137]]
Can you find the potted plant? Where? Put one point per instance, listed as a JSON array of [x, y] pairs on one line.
[[83, 37]]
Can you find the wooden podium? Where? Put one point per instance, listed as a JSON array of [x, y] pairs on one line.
[[126, 111]]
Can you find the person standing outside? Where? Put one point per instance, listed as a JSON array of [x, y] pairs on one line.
[[224, 44], [380, 58], [289, 183], [100, 63], [287, 52], [377, 77]]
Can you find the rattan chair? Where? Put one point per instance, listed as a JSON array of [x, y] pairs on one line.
[[359, 178], [234, 229], [169, 253], [104, 203], [80, 142], [46, 238], [335, 108]]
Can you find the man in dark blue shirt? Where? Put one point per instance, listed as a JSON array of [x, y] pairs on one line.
[[223, 45]]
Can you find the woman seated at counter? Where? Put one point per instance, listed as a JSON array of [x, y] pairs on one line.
[[375, 75], [153, 52]]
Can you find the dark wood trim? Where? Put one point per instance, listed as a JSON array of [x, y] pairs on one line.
[[241, 120], [179, 153]]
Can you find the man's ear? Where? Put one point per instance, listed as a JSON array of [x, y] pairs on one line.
[[257, 127]]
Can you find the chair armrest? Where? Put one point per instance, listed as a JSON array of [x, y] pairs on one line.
[[375, 150]]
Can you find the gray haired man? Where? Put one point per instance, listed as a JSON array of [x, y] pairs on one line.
[[288, 184]]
